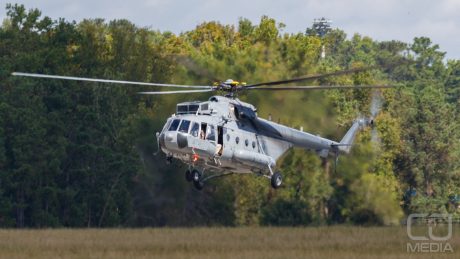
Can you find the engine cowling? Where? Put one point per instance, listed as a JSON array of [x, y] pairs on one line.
[[253, 159], [244, 113]]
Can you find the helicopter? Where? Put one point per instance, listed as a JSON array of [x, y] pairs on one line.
[[224, 135]]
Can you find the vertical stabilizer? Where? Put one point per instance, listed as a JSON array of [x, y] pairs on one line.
[[349, 138]]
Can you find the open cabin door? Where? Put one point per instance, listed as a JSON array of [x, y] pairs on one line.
[[224, 138], [220, 141], [202, 139]]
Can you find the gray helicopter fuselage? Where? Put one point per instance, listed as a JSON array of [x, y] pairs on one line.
[[225, 134]]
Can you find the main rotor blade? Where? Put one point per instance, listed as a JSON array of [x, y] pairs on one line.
[[107, 80], [318, 87], [178, 92], [311, 77]]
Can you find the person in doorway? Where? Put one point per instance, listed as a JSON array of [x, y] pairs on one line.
[[219, 149], [202, 134]]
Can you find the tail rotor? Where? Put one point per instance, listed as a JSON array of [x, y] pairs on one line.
[[376, 106]]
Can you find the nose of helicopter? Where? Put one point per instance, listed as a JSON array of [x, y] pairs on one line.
[[161, 139], [169, 138], [173, 140]]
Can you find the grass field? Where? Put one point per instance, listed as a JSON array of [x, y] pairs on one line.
[[310, 242]]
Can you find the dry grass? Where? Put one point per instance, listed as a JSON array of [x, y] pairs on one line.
[[311, 242]]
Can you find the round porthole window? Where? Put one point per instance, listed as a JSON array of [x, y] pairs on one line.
[[246, 142], [237, 140], [253, 144]]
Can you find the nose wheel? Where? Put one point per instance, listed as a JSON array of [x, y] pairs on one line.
[[195, 176], [197, 179]]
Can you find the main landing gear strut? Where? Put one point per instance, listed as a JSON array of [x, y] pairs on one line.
[[275, 178], [197, 177]]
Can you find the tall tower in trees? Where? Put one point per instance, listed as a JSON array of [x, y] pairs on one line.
[[321, 27]]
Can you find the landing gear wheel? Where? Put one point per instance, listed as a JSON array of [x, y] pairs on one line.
[[188, 175], [198, 185], [196, 175], [276, 180], [196, 178]]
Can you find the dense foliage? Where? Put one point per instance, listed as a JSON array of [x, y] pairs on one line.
[[79, 154]]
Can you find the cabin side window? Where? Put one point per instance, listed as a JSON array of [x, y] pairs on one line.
[[182, 109], [203, 129], [193, 108], [195, 129], [211, 134], [184, 126], [174, 125]]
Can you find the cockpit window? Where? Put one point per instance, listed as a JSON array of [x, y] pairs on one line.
[[166, 126], [195, 129], [211, 135], [184, 126], [174, 125]]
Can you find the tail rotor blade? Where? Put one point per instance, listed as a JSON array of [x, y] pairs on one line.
[[376, 106]]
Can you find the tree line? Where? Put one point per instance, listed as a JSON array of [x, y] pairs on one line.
[[79, 154]]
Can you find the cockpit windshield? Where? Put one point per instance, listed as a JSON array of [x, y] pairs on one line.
[[184, 126], [174, 125]]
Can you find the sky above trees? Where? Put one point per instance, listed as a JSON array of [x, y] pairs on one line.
[[382, 20]]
